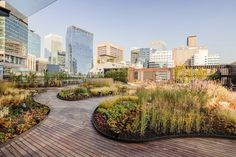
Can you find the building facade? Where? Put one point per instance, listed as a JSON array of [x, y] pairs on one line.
[[79, 50], [194, 55], [147, 74], [100, 68], [141, 56], [184, 55], [41, 64], [110, 52], [214, 60], [31, 62], [192, 41], [161, 59], [52, 45], [62, 60], [13, 39], [34, 44], [200, 58]]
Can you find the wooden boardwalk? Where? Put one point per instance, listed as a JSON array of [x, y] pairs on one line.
[[68, 132]]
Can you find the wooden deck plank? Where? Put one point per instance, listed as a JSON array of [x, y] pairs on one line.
[[89, 142], [63, 146], [49, 151], [14, 151], [133, 150], [20, 150], [56, 151], [31, 145], [72, 143], [6, 152], [26, 148]]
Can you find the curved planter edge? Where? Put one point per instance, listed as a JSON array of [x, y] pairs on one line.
[[156, 138], [61, 98], [33, 127]]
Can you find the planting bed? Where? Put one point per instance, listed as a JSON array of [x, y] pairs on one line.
[[74, 94], [18, 111], [92, 88], [197, 109]]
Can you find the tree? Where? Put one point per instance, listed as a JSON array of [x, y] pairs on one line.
[[118, 75]]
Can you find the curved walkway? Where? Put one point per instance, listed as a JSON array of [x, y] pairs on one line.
[[68, 132]]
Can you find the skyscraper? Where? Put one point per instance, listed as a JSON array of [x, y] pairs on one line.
[[53, 44], [13, 39], [34, 44], [79, 50]]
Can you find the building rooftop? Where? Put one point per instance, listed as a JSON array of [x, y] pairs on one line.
[[110, 44], [79, 29]]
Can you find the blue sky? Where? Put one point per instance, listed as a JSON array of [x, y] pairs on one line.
[[135, 23]]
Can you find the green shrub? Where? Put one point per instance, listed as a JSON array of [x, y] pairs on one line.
[[109, 103], [81, 90], [103, 91], [97, 83], [118, 75], [119, 116]]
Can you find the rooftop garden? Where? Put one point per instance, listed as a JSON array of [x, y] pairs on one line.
[[194, 109]]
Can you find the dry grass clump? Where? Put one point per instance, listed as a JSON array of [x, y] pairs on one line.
[[18, 112], [200, 107], [11, 96], [96, 83]]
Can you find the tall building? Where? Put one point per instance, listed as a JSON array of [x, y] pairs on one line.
[[141, 56], [79, 50], [13, 39], [161, 59], [31, 62], [192, 41], [110, 53], [192, 52], [34, 44], [52, 44]]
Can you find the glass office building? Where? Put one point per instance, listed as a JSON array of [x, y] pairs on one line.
[[13, 38], [141, 56], [34, 44], [79, 49]]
